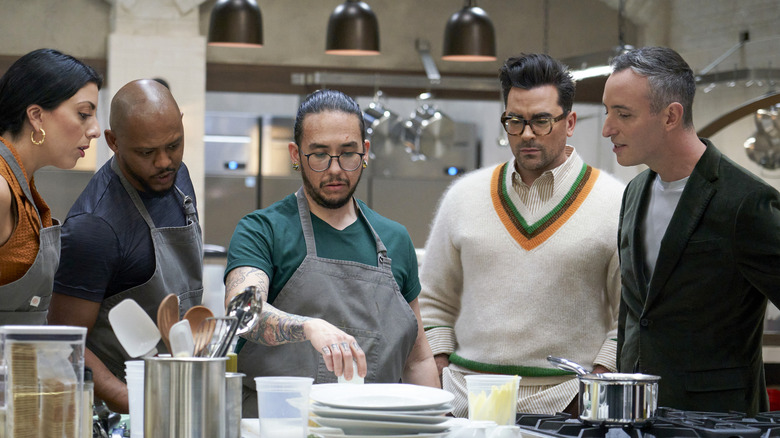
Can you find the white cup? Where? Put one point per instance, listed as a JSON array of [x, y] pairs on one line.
[[356, 379], [134, 376]]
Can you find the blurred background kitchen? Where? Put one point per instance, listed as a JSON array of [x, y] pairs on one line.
[[432, 119]]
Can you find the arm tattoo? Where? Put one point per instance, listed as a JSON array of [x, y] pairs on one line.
[[290, 329], [240, 278], [276, 327]]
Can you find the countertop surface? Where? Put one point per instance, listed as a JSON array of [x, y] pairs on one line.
[[461, 428]]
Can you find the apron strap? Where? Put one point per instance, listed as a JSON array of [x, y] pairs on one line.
[[306, 226], [308, 230], [187, 205], [9, 157], [381, 251]]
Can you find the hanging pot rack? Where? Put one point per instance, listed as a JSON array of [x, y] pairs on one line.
[[746, 109]]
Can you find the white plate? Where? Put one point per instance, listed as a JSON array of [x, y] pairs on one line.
[[363, 414], [382, 396], [328, 432], [355, 427], [436, 410]]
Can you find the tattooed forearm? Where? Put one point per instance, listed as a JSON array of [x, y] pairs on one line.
[[290, 329], [240, 278], [276, 327]]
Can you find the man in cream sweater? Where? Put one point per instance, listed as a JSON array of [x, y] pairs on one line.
[[521, 261]]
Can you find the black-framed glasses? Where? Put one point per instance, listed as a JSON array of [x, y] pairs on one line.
[[320, 161], [514, 125]]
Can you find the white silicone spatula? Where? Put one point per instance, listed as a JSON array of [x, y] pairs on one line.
[[181, 339], [134, 328]]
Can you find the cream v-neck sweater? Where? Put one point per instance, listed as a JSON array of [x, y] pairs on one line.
[[503, 293]]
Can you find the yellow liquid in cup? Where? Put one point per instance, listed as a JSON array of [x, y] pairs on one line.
[[499, 405]]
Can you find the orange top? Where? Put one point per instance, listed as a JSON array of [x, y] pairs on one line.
[[19, 252]]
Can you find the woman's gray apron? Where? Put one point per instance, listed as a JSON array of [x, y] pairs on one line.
[[359, 299], [26, 300], [178, 253]]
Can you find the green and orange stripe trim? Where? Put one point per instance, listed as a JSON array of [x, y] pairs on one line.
[[529, 236]]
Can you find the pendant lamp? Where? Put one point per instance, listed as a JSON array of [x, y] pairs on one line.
[[469, 35], [352, 30], [236, 23]]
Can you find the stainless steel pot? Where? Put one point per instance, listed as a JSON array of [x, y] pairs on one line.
[[428, 132], [613, 398], [383, 126]]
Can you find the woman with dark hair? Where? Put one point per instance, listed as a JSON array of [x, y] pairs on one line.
[[48, 103]]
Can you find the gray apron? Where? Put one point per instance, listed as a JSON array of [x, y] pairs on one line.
[[178, 253], [362, 300], [26, 300]]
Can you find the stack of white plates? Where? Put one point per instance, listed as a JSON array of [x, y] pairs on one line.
[[388, 410]]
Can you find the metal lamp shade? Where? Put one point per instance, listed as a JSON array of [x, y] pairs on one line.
[[352, 30], [236, 23], [469, 36]]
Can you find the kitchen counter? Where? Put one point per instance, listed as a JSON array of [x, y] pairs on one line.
[[461, 428]]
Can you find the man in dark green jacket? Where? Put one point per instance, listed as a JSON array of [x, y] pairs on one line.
[[699, 244]]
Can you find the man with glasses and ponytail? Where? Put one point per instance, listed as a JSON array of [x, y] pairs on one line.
[[521, 261], [339, 282]]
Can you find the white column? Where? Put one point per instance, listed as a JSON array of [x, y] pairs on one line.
[[161, 39]]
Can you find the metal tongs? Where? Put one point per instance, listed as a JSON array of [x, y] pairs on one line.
[[241, 315]]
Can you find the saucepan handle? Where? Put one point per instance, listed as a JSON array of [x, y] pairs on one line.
[[567, 365]]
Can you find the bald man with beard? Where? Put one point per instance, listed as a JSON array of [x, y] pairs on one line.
[[132, 233]]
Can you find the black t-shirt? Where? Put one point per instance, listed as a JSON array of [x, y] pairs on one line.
[[106, 245]]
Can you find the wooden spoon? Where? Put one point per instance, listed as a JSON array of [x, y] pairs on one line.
[[167, 316], [203, 336], [196, 315]]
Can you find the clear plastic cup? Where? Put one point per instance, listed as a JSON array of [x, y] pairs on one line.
[[492, 397], [283, 406], [134, 376]]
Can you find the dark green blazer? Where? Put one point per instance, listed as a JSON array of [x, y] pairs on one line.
[[698, 322]]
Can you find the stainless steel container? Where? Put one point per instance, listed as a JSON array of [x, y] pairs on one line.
[[184, 397], [233, 402], [613, 398], [616, 398]]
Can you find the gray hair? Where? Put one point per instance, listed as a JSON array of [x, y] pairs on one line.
[[668, 75]]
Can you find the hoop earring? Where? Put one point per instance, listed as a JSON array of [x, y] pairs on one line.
[[32, 137], [365, 164], [296, 166]]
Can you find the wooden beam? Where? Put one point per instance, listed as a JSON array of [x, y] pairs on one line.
[[247, 78], [97, 64], [739, 112], [278, 79]]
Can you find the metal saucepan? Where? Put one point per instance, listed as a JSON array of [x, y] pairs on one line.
[[764, 146], [613, 398], [428, 133], [382, 127]]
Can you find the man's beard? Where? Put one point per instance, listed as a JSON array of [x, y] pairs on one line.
[[544, 158], [326, 203], [147, 189]]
